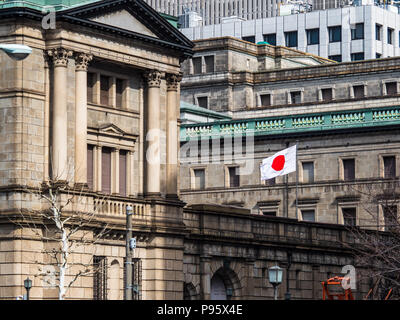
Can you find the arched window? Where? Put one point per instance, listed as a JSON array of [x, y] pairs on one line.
[[115, 283], [218, 288]]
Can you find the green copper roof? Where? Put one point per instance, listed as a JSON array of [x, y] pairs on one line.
[[293, 124], [191, 108], [39, 4]]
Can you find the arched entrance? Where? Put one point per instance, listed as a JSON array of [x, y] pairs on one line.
[[224, 285], [218, 288]]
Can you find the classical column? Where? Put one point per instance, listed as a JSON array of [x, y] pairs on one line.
[[59, 121], [153, 152], [172, 134], [81, 65]]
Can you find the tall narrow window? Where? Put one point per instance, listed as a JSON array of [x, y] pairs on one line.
[[390, 216], [390, 35], [90, 166], [349, 169], [389, 164], [122, 172], [104, 90], [335, 34], [357, 32], [308, 172], [234, 178], [106, 170], [291, 39], [308, 215], [378, 30], [91, 80], [312, 36], [196, 65], [119, 92], [100, 278], [349, 216], [199, 179], [209, 61]]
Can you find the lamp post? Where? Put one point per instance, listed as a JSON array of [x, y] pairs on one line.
[[16, 51], [28, 286], [130, 246], [289, 263], [275, 278]]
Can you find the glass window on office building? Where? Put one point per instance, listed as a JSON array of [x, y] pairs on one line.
[[378, 31], [312, 36], [357, 56], [349, 169], [335, 34], [209, 62], [308, 172], [336, 57], [357, 32], [196, 65], [270, 38], [249, 39], [291, 39], [390, 32]]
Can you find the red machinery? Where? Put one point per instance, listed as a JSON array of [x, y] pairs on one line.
[[327, 295]]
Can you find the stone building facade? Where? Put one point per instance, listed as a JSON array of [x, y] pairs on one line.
[[78, 109], [81, 109], [342, 116]]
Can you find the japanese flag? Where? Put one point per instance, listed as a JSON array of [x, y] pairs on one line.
[[281, 163]]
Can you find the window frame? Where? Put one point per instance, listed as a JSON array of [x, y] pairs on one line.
[[356, 34], [342, 161], [309, 37], [228, 176], [330, 34], [288, 43], [193, 177]]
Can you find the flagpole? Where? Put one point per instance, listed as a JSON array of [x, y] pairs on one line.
[[287, 190], [297, 180]]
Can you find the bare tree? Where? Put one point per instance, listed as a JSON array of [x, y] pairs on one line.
[[65, 220], [376, 240]]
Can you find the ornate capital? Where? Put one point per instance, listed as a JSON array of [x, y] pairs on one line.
[[153, 78], [173, 81], [82, 61], [60, 56]]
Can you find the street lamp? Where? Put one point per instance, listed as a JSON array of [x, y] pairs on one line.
[[16, 51], [275, 278], [28, 286], [130, 246]]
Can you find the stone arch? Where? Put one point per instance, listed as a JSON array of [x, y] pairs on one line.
[[189, 292], [114, 281], [225, 279]]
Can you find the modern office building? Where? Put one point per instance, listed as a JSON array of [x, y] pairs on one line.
[[342, 34]]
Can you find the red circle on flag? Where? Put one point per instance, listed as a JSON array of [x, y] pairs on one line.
[[278, 163]]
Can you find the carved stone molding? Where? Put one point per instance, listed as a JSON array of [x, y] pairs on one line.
[[173, 81], [82, 61], [60, 56], [153, 78]]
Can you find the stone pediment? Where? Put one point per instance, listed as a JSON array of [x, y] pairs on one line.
[[111, 129], [124, 20], [130, 18]]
